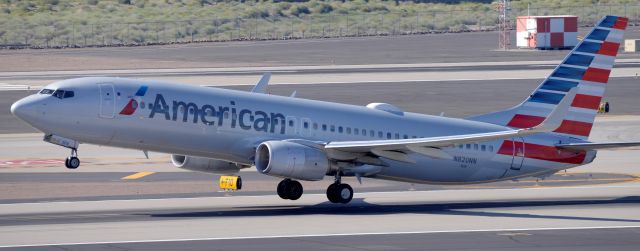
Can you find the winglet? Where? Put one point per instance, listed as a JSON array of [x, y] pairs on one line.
[[555, 118], [261, 86]]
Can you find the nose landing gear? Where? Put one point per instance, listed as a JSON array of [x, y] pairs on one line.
[[72, 162]]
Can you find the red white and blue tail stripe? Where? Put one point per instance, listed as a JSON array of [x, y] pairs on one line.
[[587, 67]]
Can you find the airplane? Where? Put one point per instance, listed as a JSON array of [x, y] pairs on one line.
[[222, 131]]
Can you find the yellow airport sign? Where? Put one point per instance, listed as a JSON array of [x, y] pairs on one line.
[[230, 182]]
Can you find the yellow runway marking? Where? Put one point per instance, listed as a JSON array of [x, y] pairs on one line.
[[137, 175]]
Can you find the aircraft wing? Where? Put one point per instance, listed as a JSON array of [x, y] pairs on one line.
[[411, 144], [430, 146], [595, 146]]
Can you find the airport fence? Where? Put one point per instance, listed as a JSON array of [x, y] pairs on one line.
[[51, 33]]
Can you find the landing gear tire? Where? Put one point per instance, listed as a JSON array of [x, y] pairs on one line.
[[72, 162], [340, 193], [282, 186], [331, 193], [290, 189]]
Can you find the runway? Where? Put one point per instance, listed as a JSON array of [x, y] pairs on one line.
[[143, 224]]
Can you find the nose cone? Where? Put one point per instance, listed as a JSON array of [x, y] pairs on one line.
[[24, 109]]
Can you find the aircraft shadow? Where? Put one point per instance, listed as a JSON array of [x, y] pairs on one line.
[[361, 207]]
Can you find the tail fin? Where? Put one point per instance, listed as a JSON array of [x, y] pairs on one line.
[[587, 66]]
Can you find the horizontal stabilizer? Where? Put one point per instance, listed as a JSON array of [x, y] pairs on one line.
[[595, 146]]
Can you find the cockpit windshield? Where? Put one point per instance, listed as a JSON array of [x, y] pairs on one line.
[[58, 93], [46, 91]]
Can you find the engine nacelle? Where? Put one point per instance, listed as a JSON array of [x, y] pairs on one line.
[[291, 160], [206, 165]]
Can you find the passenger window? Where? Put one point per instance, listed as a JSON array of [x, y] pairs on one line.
[[372, 133], [405, 136], [356, 131], [475, 147], [315, 126], [468, 146], [290, 123], [306, 125], [483, 148], [333, 128], [397, 135], [348, 130], [324, 127], [388, 135], [490, 148], [340, 129], [380, 134]]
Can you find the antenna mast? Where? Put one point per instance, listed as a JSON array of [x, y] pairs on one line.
[[504, 25]]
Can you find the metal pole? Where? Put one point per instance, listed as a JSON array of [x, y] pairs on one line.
[[433, 20], [93, 34], [347, 32], [381, 22], [216, 26], [128, 33]]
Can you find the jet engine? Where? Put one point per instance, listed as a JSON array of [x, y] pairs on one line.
[[206, 165], [291, 160]]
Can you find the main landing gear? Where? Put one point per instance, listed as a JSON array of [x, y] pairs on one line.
[[337, 192], [290, 189], [72, 162]]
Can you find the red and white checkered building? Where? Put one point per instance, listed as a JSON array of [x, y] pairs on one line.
[[547, 32]]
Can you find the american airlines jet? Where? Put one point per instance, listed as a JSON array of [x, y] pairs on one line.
[[222, 131]]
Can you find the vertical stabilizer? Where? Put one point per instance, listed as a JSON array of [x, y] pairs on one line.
[[587, 67]]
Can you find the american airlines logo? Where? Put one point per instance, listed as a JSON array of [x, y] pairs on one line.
[[131, 107], [219, 115]]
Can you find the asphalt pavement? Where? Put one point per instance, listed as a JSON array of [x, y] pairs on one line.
[[429, 48]]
